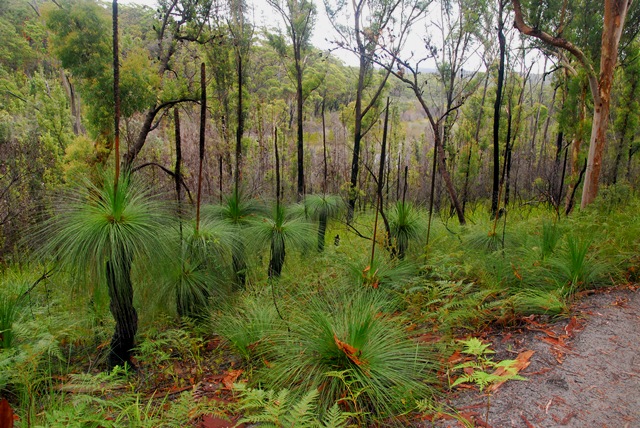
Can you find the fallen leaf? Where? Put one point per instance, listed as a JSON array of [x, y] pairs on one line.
[[555, 341], [230, 378], [522, 361], [6, 414], [428, 338], [352, 353], [455, 358], [573, 327], [209, 421]]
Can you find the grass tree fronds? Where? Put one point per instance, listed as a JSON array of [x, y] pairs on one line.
[[248, 324], [406, 226], [353, 351], [100, 231], [197, 268], [323, 208], [382, 273], [280, 232], [238, 211]]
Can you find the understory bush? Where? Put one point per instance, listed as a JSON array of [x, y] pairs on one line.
[[349, 347]]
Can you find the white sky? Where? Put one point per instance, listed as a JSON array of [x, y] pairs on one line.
[[324, 32]]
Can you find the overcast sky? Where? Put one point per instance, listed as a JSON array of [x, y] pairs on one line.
[[265, 16], [324, 33]]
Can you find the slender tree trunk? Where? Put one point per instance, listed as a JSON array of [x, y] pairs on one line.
[[178, 166], [203, 124], [381, 178], [626, 137], [476, 140], [496, 112], [615, 13], [357, 137], [240, 128], [324, 150], [116, 95], [300, 123], [431, 192], [576, 144]]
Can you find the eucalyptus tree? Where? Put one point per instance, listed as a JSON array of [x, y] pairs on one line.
[[299, 17], [81, 41], [363, 27], [614, 14], [627, 120]]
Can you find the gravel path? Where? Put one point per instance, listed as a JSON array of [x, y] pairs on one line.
[[584, 373]]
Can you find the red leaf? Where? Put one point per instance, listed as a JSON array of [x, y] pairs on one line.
[[209, 421], [352, 353], [6, 414], [573, 327], [230, 378]]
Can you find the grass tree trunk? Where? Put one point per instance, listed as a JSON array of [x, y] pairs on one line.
[[322, 229], [116, 93], [121, 305]]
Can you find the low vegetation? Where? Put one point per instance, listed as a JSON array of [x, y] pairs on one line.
[[331, 340]]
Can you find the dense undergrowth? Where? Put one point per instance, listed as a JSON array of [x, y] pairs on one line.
[[339, 337]]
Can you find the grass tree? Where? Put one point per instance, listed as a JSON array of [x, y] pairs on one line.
[[101, 231], [348, 347], [197, 266], [237, 211], [322, 208], [280, 231], [405, 226]]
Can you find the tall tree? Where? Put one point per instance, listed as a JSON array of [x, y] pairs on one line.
[[614, 16], [497, 108], [299, 18], [458, 31], [373, 23]]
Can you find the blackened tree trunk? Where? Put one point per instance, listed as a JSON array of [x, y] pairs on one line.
[[203, 125], [497, 107], [121, 306], [116, 94]]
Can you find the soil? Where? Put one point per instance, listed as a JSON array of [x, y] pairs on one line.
[[584, 372]]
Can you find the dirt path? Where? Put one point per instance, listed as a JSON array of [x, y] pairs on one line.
[[584, 373]]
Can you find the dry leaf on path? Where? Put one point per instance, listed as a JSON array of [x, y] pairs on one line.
[[522, 361]]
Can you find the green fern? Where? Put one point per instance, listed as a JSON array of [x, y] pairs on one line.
[[282, 409]]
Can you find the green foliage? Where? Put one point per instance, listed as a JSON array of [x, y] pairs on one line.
[[237, 212], [383, 272], [405, 225], [11, 306], [348, 345], [248, 324], [159, 351], [477, 370], [551, 234], [109, 400], [280, 231], [99, 234], [196, 268], [280, 410], [322, 208], [575, 269], [97, 223]]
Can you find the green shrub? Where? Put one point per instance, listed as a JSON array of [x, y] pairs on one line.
[[350, 348]]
